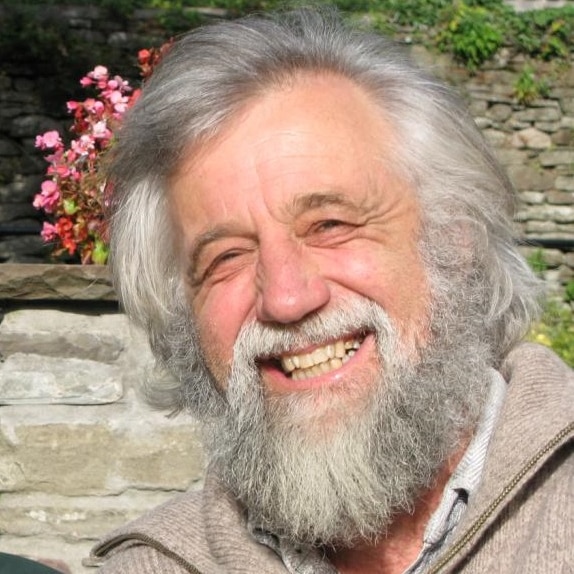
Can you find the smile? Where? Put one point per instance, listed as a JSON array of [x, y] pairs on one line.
[[321, 360]]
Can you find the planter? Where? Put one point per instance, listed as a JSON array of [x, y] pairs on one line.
[[34, 282]]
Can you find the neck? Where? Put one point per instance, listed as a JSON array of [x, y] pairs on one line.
[[400, 546]]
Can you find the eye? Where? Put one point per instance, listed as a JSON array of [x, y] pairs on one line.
[[327, 225], [221, 260]]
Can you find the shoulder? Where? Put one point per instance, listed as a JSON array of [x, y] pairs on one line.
[[167, 540]]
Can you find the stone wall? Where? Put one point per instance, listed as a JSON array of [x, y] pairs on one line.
[[79, 452], [534, 142]]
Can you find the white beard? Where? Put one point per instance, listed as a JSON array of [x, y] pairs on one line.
[[333, 466]]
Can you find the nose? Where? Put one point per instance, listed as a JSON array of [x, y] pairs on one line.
[[289, 284]]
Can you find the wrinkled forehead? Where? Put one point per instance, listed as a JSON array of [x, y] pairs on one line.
[[334, 110]]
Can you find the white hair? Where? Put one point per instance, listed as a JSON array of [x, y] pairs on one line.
[[210, 73]]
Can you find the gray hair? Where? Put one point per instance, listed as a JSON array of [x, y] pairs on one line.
[[210, 73]]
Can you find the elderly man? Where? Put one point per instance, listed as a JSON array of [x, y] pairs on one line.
[[317, 240]]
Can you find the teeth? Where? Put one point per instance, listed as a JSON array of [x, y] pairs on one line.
[[321, 360]]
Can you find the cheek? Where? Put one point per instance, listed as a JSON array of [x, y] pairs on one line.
[[396, 281], [220, 312]]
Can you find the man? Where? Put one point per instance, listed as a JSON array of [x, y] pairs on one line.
[[318, 242]]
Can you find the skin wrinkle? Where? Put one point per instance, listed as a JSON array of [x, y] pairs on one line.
[[367, 438], [400, 145]]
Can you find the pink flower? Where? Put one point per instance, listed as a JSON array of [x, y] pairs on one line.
[[85, 82], [49, 232], [94, 106], [99, 73], [48, 198], [119, 101], [83, 144], [61, 170], [50, 139], [101, 131]]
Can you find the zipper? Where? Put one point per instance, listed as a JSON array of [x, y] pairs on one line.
[[481, 520], [153, 544]]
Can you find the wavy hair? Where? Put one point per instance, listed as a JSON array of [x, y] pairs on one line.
[[210, 73]]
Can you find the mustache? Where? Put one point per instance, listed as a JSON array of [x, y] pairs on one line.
[[257, 341]]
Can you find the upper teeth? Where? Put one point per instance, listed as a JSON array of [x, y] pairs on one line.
[[322, 359]]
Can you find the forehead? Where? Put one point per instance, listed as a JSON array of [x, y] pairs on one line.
[[318, 136], [323, 112]]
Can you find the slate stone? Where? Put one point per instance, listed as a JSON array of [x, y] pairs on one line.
[[531, 138], [35, 379], [56, 282], [55, 333]]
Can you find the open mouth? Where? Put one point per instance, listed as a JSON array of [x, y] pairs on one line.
[[321, 360]]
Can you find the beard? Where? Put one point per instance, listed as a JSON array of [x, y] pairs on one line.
[[335, 465]]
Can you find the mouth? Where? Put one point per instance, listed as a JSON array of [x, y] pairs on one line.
[[321, 360]]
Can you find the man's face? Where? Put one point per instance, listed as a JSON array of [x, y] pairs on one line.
[[294, 209]]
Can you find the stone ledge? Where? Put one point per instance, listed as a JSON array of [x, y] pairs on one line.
[[38, 281]]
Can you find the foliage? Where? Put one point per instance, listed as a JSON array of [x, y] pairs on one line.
[[545, 34], [471, 34], [73, 195], [556, 330], [529, 88], [471, 30], [537, 262]]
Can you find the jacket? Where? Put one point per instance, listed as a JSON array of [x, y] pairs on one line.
[[521, 520]]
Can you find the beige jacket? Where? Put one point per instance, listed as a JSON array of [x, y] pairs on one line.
[[521, 520]]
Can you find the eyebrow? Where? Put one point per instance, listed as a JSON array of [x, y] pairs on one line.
[[315, 200], [206, 238], [300, 204]]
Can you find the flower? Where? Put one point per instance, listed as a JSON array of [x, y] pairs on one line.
[[75, 193], [49, 140]]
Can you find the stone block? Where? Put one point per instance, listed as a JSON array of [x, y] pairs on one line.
[[32, 125], [477, 107], [547, 127], [66, 459], [168, 458], [531, 114], [514, 124], [97, 450], [14, 249], [527, 178], [566, 96], [36, 380], [499, 112], [8, 148], [565, 273], [563, 137], [14, 211], [512, 157], [496, 138], [73, 518], [565, 183], [55, 282], [55, 333], [549, 213], [531, 138], [560, 197], [553, 258], [531, 197], [536, 227], [552, 158], [483, 123]]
